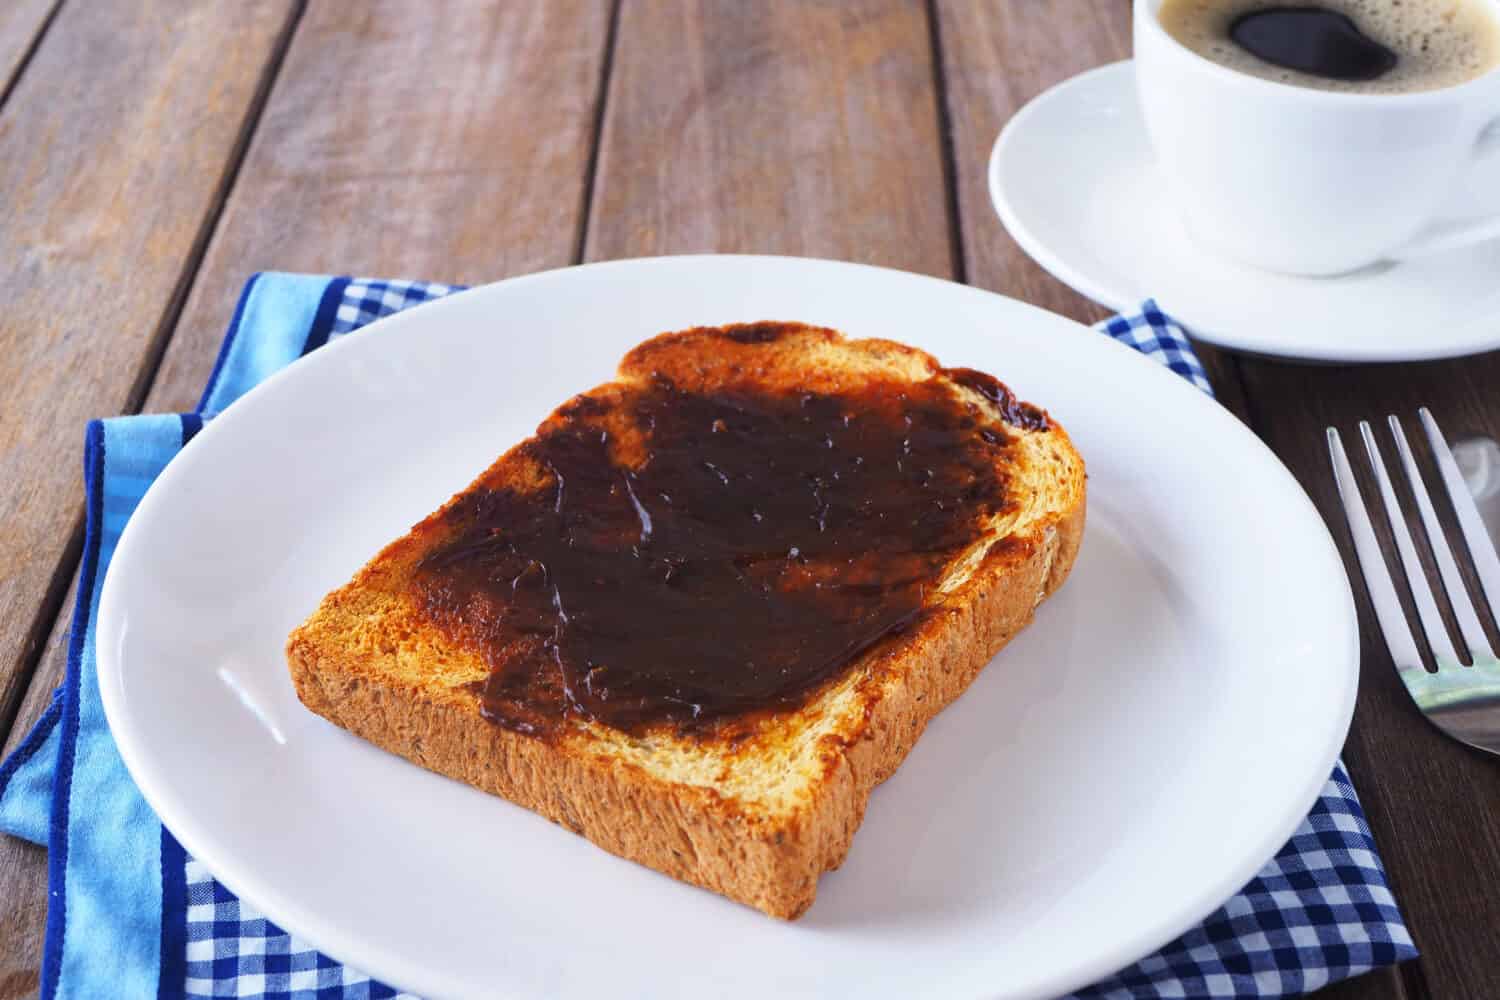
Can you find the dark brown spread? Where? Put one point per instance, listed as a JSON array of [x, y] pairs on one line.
[[1012, 410], [742, 553]]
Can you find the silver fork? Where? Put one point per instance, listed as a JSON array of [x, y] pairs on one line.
[[1463, 701]]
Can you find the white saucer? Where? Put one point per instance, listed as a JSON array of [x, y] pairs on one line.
[[1073, 179]]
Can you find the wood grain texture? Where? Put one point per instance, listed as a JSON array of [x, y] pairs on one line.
[[23, 915], [450, 146], [996, 57], [789, 128], [1431, 802], [462, 190], [21, 22], [113, 148]]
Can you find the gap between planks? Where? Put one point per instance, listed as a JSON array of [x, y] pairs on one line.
[[601, 106], [50, 609], [960, 264], [23, 59]]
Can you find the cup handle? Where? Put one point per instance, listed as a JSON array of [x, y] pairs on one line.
[[1452, 233]]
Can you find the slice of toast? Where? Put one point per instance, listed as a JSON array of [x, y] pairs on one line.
[[727, 737]]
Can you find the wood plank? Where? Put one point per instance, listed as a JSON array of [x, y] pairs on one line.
[[996, 57], [21, 24], [1381, 984], [114, 147], [107, 228], [450, 147], [1431, 802], [461, 190], [23, 913], [773, 128]]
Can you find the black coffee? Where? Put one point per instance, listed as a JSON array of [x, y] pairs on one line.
[[1312, 40], [1368, 46]]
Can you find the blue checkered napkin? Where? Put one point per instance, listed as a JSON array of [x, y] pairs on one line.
[[1151, 332], [132, 914], [233, 951], [363, 300]]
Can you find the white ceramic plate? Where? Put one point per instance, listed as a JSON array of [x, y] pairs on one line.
[[1120, 770], [1074, 181]]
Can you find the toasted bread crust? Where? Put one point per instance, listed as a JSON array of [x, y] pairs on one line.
[[767, 858]]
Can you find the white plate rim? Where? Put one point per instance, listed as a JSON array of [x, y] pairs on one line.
[[296, 916], [1124, 300]]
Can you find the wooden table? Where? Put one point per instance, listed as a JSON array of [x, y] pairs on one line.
[[154, 155]]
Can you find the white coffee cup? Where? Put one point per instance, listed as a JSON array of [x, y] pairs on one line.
[[1317, 182]]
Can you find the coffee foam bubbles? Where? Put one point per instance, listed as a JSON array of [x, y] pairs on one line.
[[1438, 43]]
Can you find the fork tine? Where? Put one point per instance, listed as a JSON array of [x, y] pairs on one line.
[[1458, 594], [1382, 589], [1421, 589], [1486, 562]]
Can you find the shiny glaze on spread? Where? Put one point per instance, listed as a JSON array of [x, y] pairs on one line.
[[752, 545]]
